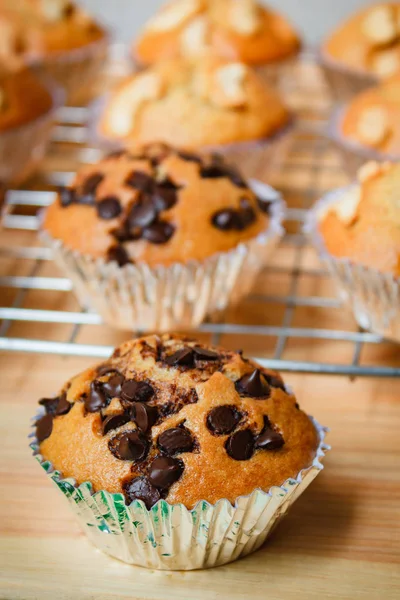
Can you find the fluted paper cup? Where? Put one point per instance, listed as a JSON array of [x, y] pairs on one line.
[[277, 73], [353, 154], [22, 148], [373, 296], [179, 296], [344, 82], [170, 536]]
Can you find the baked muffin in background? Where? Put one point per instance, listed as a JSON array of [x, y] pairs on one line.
[[170, 418], [159, 237], [58, 38], [368, 127], [245, 31], [363, 50], [356, 231]]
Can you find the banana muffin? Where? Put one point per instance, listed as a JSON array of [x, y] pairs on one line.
[[213, 102], [158, 237], [149, 422], [241, 30]]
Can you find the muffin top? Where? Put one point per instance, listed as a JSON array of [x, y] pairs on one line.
[[372, 118], [168, 417], [36, 28], [364, 224], [15, 88], [369, 41], [236, 29], [158, 206], [190, 105]]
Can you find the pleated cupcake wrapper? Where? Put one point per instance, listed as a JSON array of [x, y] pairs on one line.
[[22, 148], [76, 70], [374, 297], [353, 155], [344, 82], [180, 296], [173, 537], [277, 74]]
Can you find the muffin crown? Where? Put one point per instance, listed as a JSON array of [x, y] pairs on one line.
[[157, 206], [168, 417], [243, 30]]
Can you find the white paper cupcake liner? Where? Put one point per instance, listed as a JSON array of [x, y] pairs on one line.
[[173, 537], [344, 83], [22, 148], [77, 70], [374, 297], [180, 296], [353, 155]]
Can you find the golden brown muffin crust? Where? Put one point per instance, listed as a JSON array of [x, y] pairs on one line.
[[239, 30], [369, 41], [157, 206], [373, 117], [215, 424], [189, 105], [365, 225]]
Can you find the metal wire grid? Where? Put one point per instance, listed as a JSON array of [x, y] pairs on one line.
[[309, 144]]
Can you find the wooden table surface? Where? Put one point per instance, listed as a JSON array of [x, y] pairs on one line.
[[341, 539]]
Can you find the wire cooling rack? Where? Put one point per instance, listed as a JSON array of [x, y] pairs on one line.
[[293, 320]]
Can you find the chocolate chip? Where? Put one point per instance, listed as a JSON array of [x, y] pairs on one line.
[[165, 195], [105, 370], [264, 205], [63, 406], [269, 440], [114, 421], [246, 213], [113, 386], [236, 177], [50, 404], [108, 208], [297, 405], [164, 471], [274, 381], [140, 181], [253, 384], [69, 10], [140, 488], [175, 440], [189, 156], [96, 399], [240, 446], [181, 358], [138, 391], [44, 427], [89, 186], [130, 445], [212, 171], [144, 416], [205, 354], [223, 419], [67, 196], [226, 219], [119, 255], [142, 214], [158, 233]]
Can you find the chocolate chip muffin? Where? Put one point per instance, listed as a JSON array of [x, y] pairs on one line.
[[160, 215], [167, 417], [246, 31], [356, 232]]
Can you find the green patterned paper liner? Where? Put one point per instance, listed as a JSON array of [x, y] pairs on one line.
[[173, 537]]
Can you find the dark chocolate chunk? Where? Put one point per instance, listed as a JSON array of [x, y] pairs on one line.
[[164, 471], [140, 181], [226, 219], [96, 399], [165, 195], [90, 184], [63, 406], [182, 358], [106, 370], [142, 214], [144, 416], [269, 440], [44, 427], [119, 255], [140, 488], [274, 381], [69, 10], [246, 213], [253, 384], [67, 196], [176, 440], [223, 419], [50, 404], [240, 446], [130, 445], [114, 421], [113, 386], [189, 156], [136, 391], [159, 232], [212, 171], [205, 354], [108, 208], [264, 205], [235, 177]]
